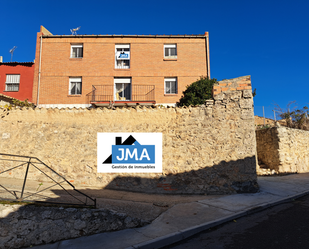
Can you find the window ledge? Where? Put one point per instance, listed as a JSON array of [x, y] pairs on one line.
[[75, 95], [10, 91], [170, 94], [124, 69], [170, 59], [76, 59]]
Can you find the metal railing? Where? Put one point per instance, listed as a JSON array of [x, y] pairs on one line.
[[103, 93], [23, 166], [143, 93]]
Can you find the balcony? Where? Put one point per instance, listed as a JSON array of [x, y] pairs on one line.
[[121, 94]]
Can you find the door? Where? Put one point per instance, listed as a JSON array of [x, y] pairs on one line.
[[122, 89]]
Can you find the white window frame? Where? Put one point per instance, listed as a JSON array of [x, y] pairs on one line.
[[122, 63], [170, 80], [12, 82], [168, 54], [75, 80], [77, 46]]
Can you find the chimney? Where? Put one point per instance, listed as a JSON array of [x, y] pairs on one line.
[[1, 59]]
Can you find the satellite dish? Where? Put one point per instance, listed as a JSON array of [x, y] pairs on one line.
[[73, 31], [12, 51]]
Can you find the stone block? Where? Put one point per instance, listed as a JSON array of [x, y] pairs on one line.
[[209, 102], [246, 114], [246, 103], [219, 96], [247, 94]]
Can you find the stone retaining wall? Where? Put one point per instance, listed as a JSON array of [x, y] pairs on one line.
[[283, 149], [206, 150], [24, 226]]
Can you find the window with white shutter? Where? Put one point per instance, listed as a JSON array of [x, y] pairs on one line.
[[12, 82]]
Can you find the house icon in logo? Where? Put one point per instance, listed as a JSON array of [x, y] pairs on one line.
[[123, 55], [131, 152]]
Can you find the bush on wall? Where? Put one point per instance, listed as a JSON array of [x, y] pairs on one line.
[[197, 92]]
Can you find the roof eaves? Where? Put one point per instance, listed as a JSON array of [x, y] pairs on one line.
[[116, 36], [5, 96], [15, 62]]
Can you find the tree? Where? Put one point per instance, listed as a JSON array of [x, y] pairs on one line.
[[294, 118], [197, 92]]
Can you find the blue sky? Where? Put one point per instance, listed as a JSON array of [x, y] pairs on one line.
[[265, 39]]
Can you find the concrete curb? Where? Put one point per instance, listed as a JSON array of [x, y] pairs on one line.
[[172, 238]]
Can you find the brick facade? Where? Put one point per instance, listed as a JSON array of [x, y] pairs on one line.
[[97, 65], [26, 72]]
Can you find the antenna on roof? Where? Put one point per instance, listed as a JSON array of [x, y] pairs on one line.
[[73, 31], [12, 51]]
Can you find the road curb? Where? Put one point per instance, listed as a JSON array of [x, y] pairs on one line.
[[172, 238]]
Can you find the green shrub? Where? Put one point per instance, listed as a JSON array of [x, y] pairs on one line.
[[17, 102], [197, 92]]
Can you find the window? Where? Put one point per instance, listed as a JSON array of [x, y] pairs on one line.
[[122, 56], [170, 51], [12, 82], [77, 51], [170, 86], [75, 86]]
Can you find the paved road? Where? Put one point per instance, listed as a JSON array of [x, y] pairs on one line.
[[280, 227]]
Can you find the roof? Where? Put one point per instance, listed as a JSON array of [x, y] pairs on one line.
[[7, 97], [128, 36], [14, 63], [47, 34]]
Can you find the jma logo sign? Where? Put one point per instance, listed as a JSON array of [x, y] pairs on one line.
[[126, 154], [124, 56], [130, 152]]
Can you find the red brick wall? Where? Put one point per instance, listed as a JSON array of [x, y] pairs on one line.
[[237, 84], [97, 67], [26, 72]]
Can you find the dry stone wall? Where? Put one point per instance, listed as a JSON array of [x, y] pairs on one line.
[[259, 122], [283, 149], [209, 149], [24, 226]]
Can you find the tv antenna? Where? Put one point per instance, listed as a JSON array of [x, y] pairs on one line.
[[12, 51], [73, 31]]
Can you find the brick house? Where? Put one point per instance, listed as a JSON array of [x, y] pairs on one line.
[[85, 70], [16, 80]]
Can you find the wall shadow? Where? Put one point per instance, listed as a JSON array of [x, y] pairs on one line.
[[224, 178], [28, 225]]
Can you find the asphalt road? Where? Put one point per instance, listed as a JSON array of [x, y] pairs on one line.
[[279, 227]]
